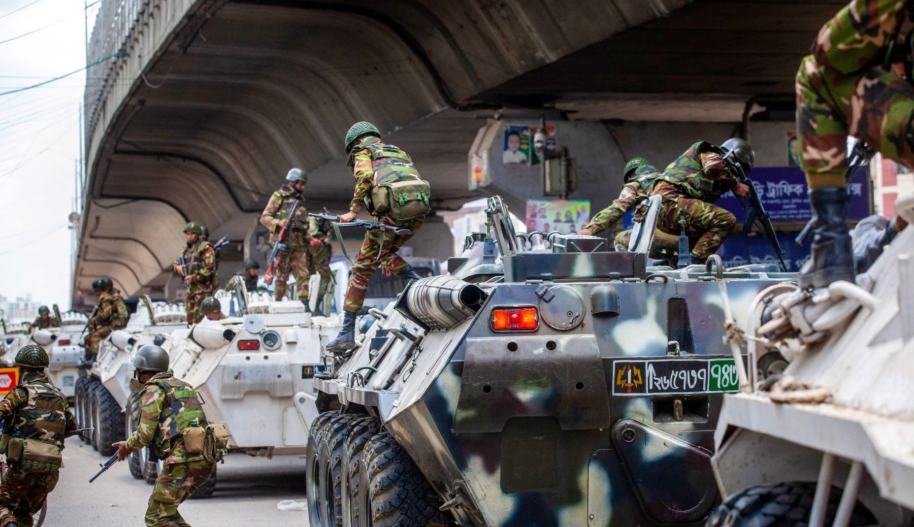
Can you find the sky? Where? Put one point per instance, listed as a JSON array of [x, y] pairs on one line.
[[39, 143]]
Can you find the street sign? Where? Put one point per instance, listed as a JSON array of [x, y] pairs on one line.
[[9, 378]]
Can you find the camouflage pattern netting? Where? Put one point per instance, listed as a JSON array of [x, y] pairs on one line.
[[358, 129], [842, 89], [33, 356]]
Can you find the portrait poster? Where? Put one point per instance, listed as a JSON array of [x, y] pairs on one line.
[[564, 216]]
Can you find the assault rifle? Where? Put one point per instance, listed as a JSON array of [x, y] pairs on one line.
[[755, 212], [365, 224], [182, 264], [91, 316], [280, 244], [105, 466]]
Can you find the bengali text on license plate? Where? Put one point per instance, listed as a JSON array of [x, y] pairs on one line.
[[674, 376]]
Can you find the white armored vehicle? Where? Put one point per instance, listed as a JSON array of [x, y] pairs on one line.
[[64, 350], [15, 335], [831, 441]]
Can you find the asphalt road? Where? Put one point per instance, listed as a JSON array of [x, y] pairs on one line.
[[247, 492]]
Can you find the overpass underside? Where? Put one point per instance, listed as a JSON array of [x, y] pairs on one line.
[[208, 103]]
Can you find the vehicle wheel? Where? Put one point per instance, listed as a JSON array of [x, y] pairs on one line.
[[331, 461], [134, 459], [150, 473], [398, 492], [80, 395], [355, 502], [771, 363], [312, 484], [206, 491], [92, 412], [780, 505], [109, 419]]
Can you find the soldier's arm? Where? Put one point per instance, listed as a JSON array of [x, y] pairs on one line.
[[858, 34], [150, 410], [715, 166], [608, 217], [105, 311], [208, 269], [13, 400], [364, 177], [268, 219]]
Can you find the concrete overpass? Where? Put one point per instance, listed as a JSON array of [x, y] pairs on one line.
[[209, 102]]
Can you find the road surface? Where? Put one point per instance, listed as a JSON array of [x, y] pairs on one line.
[[247, 492]]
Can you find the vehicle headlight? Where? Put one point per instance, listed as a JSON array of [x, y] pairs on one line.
[[271, 340]]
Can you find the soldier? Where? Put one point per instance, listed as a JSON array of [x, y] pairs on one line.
[[848, 87], [212, 309], [37, 412], [250, 275], [275, 216], [110, 313], [692, 183], [320, 253], [373, 163], [199, 271], [638, 177], [44, 320], [168, 407]]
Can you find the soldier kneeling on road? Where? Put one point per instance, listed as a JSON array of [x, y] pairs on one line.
[[36, 420], [170, 408]]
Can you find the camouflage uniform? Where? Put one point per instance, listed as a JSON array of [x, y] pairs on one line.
[[201, 267], [51, 322], [370, 167], [168, 406], [634, 192], [320, 253], [34, 410], [112, 314], [689, 186], [842, 89], [295, 260]]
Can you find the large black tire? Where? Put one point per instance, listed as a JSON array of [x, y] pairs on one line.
[[399, 495], [331, 461], [91, 412], [780, 505], [80, 394], [132, 419], [355, 502], [314, 471], [110, 421], [206, 491]]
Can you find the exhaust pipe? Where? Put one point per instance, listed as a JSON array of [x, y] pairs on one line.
[[443, 302]]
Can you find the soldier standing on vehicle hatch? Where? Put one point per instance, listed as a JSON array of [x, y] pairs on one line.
[[199, 271], [36, 420], [639, 176], [168, 407], [44, 320], [692, 183], [110, 314], [274, 218], [849, 86], [374, 164], [250, 275]]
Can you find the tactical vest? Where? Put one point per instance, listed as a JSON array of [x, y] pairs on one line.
[[301, 220], [180, 407], [687, 173], [44, 417], [390, 164], [121, 308]]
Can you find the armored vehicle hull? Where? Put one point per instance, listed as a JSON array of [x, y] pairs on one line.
[[63, 347], [541, 388]]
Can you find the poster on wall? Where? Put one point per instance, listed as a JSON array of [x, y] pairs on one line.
[[793, 149], [565, 216], [518, 144]]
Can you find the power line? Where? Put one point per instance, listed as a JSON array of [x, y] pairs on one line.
[[99, 61], [49, 25], [20, 9]]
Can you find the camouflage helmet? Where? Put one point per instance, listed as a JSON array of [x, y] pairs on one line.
[[296, 174], [359, 129], [32, 356], [633, 164], [204, 232], [43, 310], [151, 358], [193, 227], [210, 305], [251, 264], [741, 151]]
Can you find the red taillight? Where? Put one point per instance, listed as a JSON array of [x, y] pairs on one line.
[[64, 342], [249, 345], [515, 319]]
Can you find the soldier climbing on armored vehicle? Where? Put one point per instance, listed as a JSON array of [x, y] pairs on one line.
[[109, 314], [639, 176]]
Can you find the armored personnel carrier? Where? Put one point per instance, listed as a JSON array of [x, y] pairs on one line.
[[555, 386], [15, 335], [831, 440], [63, 347], [253, 370]]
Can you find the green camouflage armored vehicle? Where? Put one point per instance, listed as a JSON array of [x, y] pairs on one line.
[[564, 386]]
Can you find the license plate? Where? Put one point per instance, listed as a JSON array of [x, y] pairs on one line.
[[674, 376]]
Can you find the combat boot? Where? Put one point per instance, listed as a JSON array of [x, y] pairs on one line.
[[307, 306], [318, 312], [410, 274], [345, 340], [832, 254]]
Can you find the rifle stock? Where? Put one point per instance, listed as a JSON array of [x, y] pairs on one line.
[[280, 245]]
